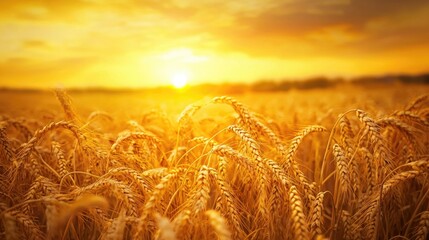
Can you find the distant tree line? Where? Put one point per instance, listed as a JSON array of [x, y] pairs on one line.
[[271, 85]]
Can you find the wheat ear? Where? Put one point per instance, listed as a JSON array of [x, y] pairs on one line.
[[299, 223], [218, 224]]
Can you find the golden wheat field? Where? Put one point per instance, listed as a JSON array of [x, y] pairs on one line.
[[347, 162]]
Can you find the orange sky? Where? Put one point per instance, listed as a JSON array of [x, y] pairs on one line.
[[132, 43]]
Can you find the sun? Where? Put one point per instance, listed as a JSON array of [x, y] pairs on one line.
[[180, 79]]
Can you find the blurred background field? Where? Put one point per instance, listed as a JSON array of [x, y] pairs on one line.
[[292, 107]]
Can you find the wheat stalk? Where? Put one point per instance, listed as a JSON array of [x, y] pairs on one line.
[[67, 105], [422, 230], [316, 214], [416, 104], [165, 228], [218, 224], [299, 223], [117, 227], [6, 152], [202, 191], [155, 197], [228, 199], [29, 226], [342, 169]]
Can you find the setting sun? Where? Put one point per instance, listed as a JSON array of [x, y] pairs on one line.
[[179, 80]]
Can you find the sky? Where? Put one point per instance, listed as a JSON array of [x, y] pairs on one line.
[[132, 43]]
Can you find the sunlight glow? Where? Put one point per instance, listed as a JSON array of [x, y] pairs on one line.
[[180, 79], [183, 55]]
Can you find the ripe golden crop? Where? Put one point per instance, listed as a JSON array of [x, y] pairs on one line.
[[295, 165]]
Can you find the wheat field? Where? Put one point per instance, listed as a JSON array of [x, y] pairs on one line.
[[349, 163]]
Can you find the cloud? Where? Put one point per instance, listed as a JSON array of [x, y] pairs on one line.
[[41, 39], [24, 72], [35, 44], [328, 28]]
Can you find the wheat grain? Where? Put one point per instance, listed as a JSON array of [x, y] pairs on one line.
[[41, 185], [422, 231], [11, 230], [412, 118], [180, 222], [128, 137], [299, 223], [117, 227], [67, 105], [260, 170], [62, 161], [22, 129], [295, 142], [28, 147], [30, 227], [165, 228], [348, 144], [6, 152], [58, 213], [403, 128], [228, 152], [342, 169], [370, 172], [202, 191], [348, 226], [245, 115], [227, 199], [381, 153], [158, 191], [416, 104], [290, 162], [247, 138], [219, 225], [98, 114], [316, 221], [136, 176], [120, 189]]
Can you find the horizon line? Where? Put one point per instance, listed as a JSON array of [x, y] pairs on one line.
[[302, 81]]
